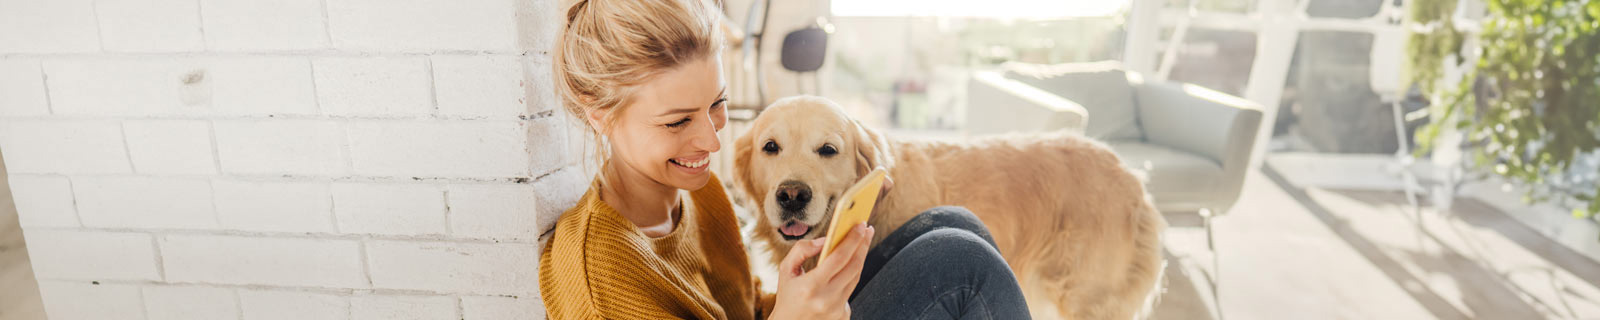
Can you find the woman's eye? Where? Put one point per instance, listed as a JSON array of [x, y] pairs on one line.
[[770, 148], [680, 123], [827, 150]]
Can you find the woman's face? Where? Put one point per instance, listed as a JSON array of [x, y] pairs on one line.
[[669, 130]]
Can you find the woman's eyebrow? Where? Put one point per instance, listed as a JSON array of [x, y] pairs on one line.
[[692, 109]]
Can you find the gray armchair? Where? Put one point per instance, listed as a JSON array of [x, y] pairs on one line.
[[1193, 143]]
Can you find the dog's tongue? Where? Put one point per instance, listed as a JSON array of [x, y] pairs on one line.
[[795, 229]]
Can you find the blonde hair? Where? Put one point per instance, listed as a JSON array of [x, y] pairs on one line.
[[609, 47]]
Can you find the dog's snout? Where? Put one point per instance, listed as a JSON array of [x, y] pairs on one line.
[[793, 195]]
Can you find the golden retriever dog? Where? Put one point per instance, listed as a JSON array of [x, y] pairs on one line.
[[1076, 227]]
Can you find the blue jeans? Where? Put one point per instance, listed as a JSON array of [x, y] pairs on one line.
[[940, 265]]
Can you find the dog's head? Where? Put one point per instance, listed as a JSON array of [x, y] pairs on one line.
[[798, 158]]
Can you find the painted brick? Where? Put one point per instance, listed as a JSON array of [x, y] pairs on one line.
[[250, 25], [91, 255], [300, 147], [293, 305], [558, 192], [480, 85], [74, 300], [31, 26], [502, 268], [497, 307], [547, 139], [274, 206], [144, 202], [263, 85], [493, 211], [43, 201], [149, 25], [538, 23], [491, 149], [263, 261], [393, 209], [170, 146], [541, 87], [128, 87], [422, 25], [373, 86], [22, 90], [388, 307], [64, 147], [190, 303]]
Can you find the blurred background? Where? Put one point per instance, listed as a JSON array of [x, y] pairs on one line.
[[353, 159]]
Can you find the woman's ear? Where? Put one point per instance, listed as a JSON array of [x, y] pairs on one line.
[[597, 120], [872, 150]]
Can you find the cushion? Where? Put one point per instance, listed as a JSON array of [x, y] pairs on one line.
[[1173, 176], [1101, 88]]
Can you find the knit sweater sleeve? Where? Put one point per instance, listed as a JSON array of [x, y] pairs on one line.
[[591, 270]]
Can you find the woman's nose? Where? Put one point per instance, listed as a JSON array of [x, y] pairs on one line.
[[706, 137]]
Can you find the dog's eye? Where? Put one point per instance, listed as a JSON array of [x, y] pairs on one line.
[[827, 150], [770, 148]]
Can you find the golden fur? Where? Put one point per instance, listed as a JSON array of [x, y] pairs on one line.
[[1076, 226]]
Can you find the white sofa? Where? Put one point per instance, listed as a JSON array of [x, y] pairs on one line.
[[1193, 143]]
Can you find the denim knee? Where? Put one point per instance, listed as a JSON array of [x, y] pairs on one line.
[[949, 217], [960, 248]]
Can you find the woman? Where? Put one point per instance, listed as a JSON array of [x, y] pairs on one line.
[[655, 236]]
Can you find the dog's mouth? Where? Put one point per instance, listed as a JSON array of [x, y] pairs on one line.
[[794, 230]]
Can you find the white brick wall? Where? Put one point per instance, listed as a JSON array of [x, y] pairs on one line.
[[79, 300], [373, 86], [387, 307], [298, 305], [190, 302], [149, 25], [92, 255], [303, 159], [251, 25], [64, 26], [502, 268], [47, 199], [325, 263]]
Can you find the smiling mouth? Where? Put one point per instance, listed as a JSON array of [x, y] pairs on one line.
[[691, 164], [794, 230]]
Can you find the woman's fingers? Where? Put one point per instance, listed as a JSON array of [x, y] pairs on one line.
[[845, 281], [852, 272], [790, 267], [836, 260]]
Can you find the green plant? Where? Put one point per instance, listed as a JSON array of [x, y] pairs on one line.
[[1529, 102]]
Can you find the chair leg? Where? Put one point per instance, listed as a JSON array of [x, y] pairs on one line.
[[1216, 266], [1402, 153]]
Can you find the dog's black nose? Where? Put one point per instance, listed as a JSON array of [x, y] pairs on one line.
[[793, 195]]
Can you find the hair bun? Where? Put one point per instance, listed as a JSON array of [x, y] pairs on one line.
[[576, 9]]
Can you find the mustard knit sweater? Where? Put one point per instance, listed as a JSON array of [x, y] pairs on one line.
[[599, 265]]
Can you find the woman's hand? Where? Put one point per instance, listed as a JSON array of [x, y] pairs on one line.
[[823, 292]]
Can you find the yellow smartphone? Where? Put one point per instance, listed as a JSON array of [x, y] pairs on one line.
[[855, 208]]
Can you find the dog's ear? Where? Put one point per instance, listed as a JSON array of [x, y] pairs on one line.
[[743, 148], [872, 150]]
